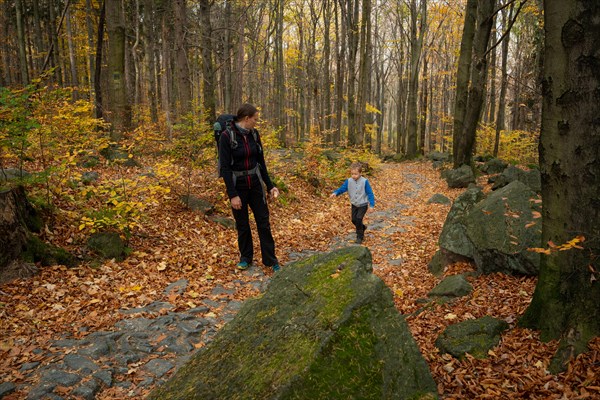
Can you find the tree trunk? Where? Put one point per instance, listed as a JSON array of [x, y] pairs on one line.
[[416, 46], [424, 104], [279, 84], [565, 303], [340, 72], [465, 138], [150, 35], [489, 116], [500, 120], [182, 72], [90, 40], [14, 211], [462, 81], [21, 43], [98, 63], [208, 69], [120, 109], [365, 70], [72, 60], [352, 30]]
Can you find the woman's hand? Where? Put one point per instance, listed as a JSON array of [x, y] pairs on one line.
[[236, 203], [274, 192]]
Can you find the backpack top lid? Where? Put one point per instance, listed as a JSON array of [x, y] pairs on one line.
[[222, 121]]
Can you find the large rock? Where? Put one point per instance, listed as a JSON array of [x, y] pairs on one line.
[[530, 178], [326, 328], [475, 337], [502, 227], [460, 177], [453, 238], [494, 166]]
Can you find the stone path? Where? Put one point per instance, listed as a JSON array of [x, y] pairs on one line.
[[161, 339]]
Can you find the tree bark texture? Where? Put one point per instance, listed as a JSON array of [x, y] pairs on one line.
[[462, 79], [566, 299], [119, 105], [464, 139], [208, 68], [14, 211]]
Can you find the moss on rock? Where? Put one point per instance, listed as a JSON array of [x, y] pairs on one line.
[[325, 328]]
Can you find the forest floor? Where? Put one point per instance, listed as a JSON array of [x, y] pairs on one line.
[[180, 244]]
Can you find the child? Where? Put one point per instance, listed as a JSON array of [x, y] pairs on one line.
[[361, 196]]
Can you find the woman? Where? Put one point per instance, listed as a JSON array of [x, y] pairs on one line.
[[244, 171]]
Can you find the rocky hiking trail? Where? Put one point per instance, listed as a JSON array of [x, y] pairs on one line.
[[119, 330]]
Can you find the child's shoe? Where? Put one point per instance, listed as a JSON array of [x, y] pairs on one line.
[[276, 267]]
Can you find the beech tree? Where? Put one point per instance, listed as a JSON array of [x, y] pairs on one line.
[[566, 302]]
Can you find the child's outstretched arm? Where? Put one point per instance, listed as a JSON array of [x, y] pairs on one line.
[[370, 194], [341, 190]]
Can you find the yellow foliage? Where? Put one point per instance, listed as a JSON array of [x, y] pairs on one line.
[[515, 146]]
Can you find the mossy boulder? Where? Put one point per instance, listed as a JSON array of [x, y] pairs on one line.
[[453, 237], [475, 337], [452, 286], [197, 204], [38, 251], [325, 328], [107, 245], [460, 177], [503, 227]]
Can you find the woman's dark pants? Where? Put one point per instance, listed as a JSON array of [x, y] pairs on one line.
[[254, 198]]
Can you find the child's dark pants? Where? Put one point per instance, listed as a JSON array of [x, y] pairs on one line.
[[358, 213]]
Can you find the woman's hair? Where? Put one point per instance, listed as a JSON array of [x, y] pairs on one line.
[[356, 166], [245, 110]]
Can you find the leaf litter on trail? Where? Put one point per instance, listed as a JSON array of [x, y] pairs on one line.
[[180, 244]]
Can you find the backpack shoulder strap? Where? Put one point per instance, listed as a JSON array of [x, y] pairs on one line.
[[231, 132]]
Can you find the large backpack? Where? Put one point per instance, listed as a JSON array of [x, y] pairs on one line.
[[224, 123]]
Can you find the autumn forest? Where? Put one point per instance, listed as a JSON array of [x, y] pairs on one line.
[[106, 121]]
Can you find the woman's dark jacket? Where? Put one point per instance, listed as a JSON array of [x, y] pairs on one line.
[[242, 160]]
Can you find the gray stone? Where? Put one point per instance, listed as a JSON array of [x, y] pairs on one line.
[[224, 221], [326, 327], [220, 290], [501, 231], [453, 236], [197, 204], [10, 174], [134, 324], [460, 177], [41, 391], [494, 166], [452, 286], [89, 177], [62, 378], [475, 337], [436, 265], [177, 287], [530, 178], [438, 156], [158, 367], [80, 363], [439, 199], [199, 310], [87, 390], [98, 349], [107, 245], [105, 377], [6, 388], [29, 366]]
